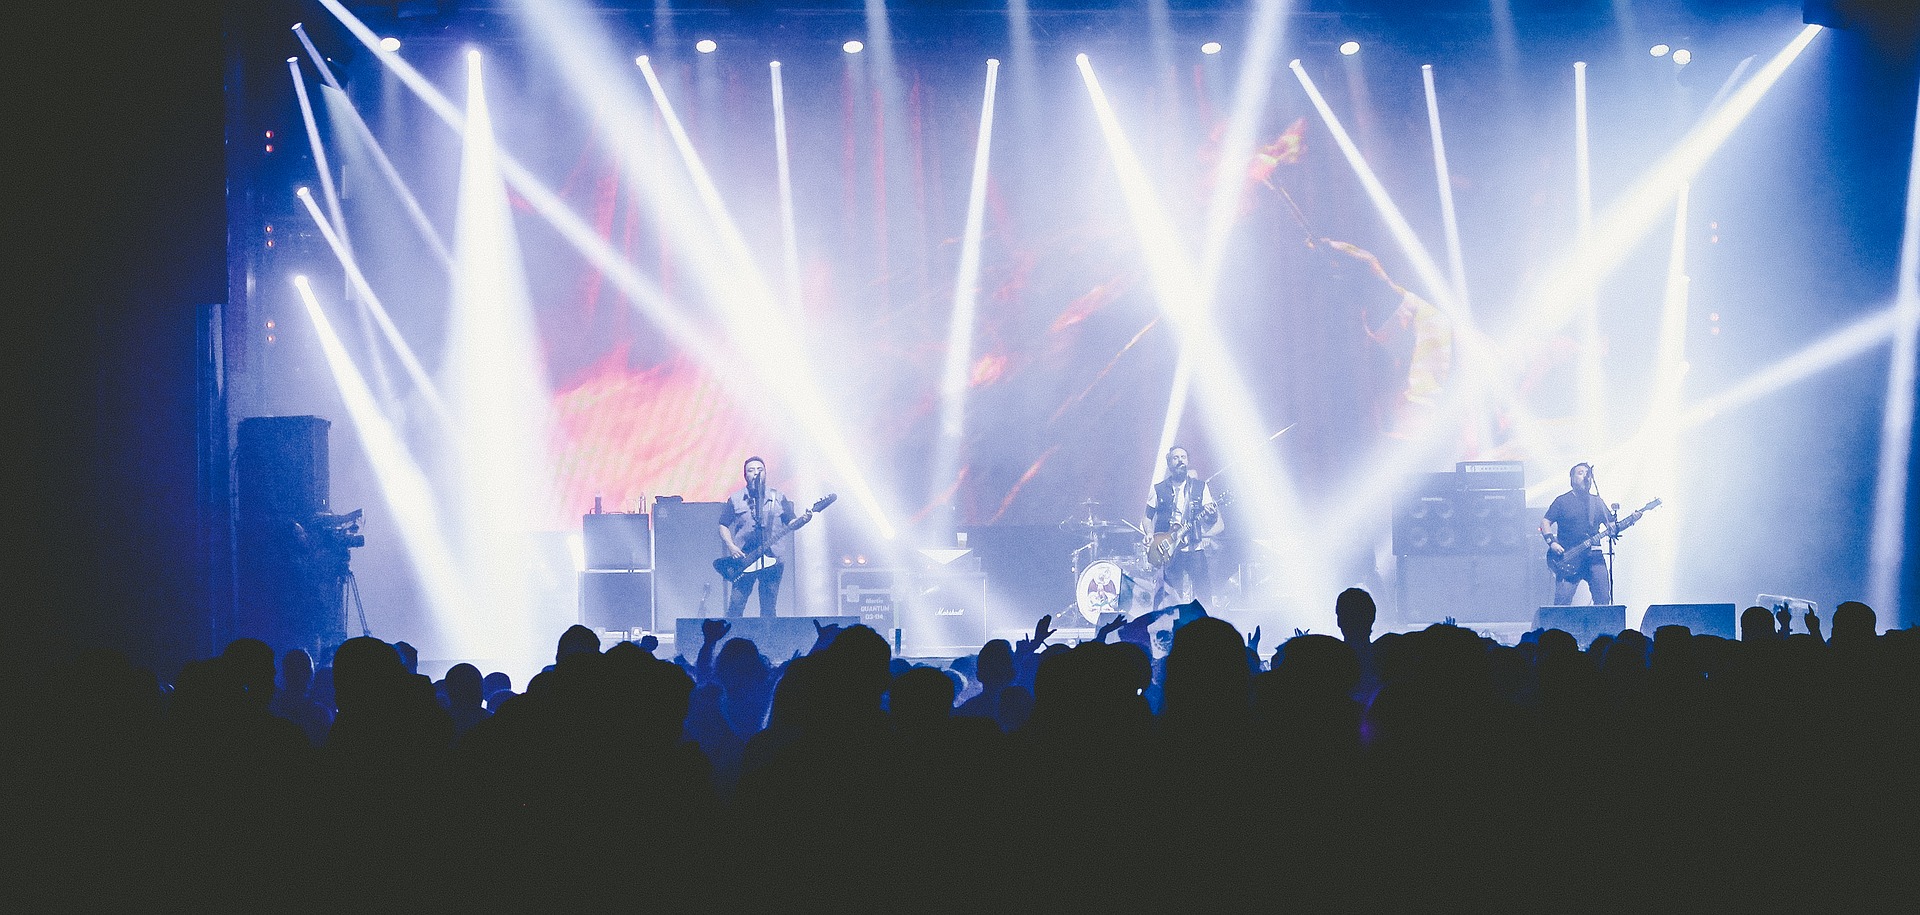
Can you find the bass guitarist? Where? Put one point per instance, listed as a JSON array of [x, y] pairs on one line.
[[752, 515], [1574, 517], [1182, 514]]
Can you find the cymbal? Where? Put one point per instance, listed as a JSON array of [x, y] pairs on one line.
[[1092, 524], [1090, 502]]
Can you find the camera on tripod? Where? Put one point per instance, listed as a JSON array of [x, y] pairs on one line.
[[335, 532]]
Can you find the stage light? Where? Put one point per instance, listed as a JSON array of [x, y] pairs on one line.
[[1211, 47], [640, 61], [1350, 48], [1659, 50], [389, 43], [706, 46], [1683, 57], [853, 47]]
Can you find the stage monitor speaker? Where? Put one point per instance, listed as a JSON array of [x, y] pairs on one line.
[[778, 638], [1700, 619], [617, 541], [616, 600], [1584, 623], [686, 541], [1490, 588], [871, 595], [945, 617], [281, 468]]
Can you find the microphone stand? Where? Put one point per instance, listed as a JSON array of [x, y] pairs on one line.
[[1613, 528]]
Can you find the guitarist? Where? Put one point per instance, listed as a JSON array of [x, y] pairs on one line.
[[1576, 515], [753, 513], [1183, 502]]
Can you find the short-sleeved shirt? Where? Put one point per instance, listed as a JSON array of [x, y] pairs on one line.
[[1578, 515], [737, 516]]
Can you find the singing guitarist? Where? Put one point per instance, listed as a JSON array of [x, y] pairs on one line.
[[1576, 515], [1182, 505], [752, 514]]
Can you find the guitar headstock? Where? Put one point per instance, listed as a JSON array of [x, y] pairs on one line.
[[1650, 506], [825, 501]]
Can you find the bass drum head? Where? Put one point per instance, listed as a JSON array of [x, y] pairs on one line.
[[1103, 588]]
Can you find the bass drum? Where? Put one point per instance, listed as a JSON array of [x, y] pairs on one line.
[[1108, 587]]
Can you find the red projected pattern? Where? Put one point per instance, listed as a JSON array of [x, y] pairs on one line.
[[630, 434]]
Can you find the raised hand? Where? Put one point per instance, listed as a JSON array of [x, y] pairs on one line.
[[824, 635], [715, 630], [1253, 641], [1785, 617], [1119, 620]]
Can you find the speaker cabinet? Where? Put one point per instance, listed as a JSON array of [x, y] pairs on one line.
[[1700, 619], [1584, 623], [1471, 588], [686, 541], [616, 600], [617, 541], [281, 467]]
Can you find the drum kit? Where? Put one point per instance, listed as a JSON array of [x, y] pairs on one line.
[[1111, 572]]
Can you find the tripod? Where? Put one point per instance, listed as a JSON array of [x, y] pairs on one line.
[[351, 594]]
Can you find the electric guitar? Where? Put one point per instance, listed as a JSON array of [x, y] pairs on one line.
[[1162, 546], [761, 557], [1568, 564]]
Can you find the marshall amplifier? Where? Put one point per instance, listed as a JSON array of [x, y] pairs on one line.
[[945, 616]]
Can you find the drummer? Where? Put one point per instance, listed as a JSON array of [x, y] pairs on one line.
[[1181, 509]]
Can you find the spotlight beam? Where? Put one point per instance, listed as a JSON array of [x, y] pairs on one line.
[[789, 240], [1592, 387], [966, 293], [782, 368], [313, 54], [1830, 352], [402, 483], [319, 149], [1572, 280], [1888, 541], [1456, 262], [1267, 487], [1252, 86], [778, 384], [341, 107], [415, 370], [652, 302]]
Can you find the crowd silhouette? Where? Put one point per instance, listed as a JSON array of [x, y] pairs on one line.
[[1426, 769]]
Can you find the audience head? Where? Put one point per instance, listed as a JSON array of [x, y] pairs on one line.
[[1853, 623], [995, 664], [1354, 613], [463, 686], [577, 639], [296, 671], [1756, 624], [250, 663]]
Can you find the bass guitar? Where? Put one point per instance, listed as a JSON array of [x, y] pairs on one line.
[[761, 557], [1567, 565], [1162, 546]]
